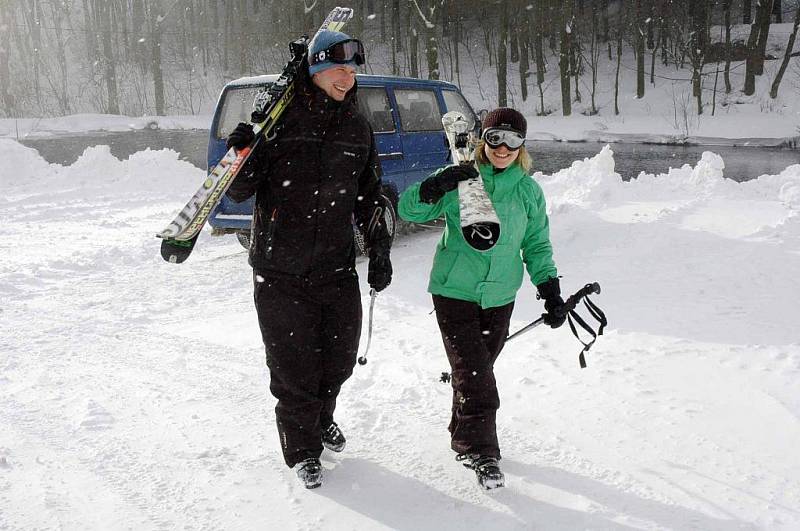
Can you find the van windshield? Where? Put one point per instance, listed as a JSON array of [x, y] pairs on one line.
[[236, 108]]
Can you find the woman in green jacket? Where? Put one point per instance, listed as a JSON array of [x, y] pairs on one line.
[[474, 291]]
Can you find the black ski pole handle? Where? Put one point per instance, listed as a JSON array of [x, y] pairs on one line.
[[574, 299], [569, 304]]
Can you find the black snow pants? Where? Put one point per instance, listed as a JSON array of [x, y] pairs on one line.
[[473, 338], [311, 333]]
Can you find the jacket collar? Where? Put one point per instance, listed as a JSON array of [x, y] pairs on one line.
[[318, 101], [505, 179]]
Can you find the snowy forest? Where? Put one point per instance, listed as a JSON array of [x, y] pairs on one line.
[[160, 57]]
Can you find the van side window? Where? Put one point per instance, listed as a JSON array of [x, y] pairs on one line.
[[456, 102], [236, 108], [419, 110], [373, 102]]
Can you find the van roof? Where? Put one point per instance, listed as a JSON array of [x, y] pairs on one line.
[[363, 80]]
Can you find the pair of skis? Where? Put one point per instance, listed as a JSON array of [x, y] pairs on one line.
[[180, 236]]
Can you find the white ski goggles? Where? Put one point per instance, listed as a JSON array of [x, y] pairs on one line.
[[503, 137]]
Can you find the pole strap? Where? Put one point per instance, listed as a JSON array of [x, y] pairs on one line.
[[573, 317]]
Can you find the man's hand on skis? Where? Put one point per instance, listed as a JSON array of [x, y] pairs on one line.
[[433, 188], [241, 137], [554, 305]]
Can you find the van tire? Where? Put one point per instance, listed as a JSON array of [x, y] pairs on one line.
[[389, 193], [244, 239]]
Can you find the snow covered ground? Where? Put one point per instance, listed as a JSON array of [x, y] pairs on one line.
[[133, 393]]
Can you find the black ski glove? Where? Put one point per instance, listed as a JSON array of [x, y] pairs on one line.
[[241, 137], [433, 188], [554, 305], [380, 269]]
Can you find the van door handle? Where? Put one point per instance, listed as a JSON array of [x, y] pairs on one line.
[[390, 156]]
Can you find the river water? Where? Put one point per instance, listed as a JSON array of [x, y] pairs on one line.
[[741, 163]]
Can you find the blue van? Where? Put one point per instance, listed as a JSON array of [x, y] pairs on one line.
[[406, 116]]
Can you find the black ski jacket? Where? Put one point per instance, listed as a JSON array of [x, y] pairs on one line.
[[319, 171]]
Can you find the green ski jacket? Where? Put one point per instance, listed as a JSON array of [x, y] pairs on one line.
[[489, 278]]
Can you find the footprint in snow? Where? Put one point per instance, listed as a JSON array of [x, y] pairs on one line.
[[97, 418]]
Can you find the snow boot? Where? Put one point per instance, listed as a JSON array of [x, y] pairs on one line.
[[310, 472], [333, 438], [486, 468]]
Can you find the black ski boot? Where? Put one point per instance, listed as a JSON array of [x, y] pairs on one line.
[[310, 472], [486, 468], [333, 438]]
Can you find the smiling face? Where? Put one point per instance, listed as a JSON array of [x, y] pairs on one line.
[[336, 81], [501, 157]]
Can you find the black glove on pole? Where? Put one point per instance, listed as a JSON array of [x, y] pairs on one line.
[[241, 137], [554, 305], [379, 275], [433, 188]]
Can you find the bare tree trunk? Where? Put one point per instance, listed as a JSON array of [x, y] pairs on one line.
[[539, 52], [414, 42], [763, 35], [576, 53], [638, 39], [565, 13], [358, 16], [594, 54], [396, 20], [102, 18], [697, 44], [619, 61], [90, 33], [656, 46], [747, 11], [243, 37], [382, 16], [33, 17], [777, 10], [513, 31], [431, 42], [756, 46], [726, 6], [457, 29], [396, 42], [9, 105], [773, 92], [524, 62], [156, 17], [502, 57]]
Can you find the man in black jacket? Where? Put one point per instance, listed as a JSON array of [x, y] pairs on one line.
[[319, 171]]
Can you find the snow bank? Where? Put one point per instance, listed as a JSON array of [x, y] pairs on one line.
[[97, 169], [728, 208]]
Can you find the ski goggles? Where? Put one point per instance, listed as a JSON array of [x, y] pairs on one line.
[[503, 137], [342, 52]]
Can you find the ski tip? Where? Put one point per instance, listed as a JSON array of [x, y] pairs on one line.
[[177, 251]]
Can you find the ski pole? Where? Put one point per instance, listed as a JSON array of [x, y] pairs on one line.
[[362, 360], [569, 305], [570, 313]]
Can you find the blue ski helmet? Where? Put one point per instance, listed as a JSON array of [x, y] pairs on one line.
[[321, 42]]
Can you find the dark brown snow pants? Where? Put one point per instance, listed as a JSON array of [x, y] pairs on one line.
[[473, 338], [311, 334]]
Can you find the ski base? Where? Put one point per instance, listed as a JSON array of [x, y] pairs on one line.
[[177, 251]]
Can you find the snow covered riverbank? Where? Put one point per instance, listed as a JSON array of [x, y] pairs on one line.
[[133, 392]]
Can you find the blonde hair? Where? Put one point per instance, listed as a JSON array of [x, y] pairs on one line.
[[523, 159]]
